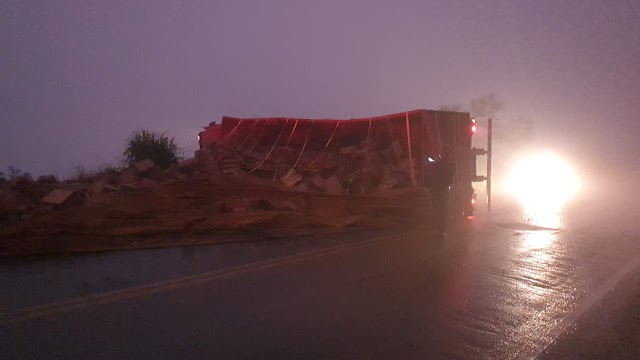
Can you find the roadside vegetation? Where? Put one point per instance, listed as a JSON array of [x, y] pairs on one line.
[[14, 173], [158, 147]]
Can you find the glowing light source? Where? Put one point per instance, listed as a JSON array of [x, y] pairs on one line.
[[543, 181], [473, 129]]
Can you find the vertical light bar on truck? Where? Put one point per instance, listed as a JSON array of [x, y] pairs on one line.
[[473, 126]]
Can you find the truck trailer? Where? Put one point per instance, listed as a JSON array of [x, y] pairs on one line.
[[350, 156]]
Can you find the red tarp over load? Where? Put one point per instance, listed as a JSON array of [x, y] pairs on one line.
[[288, 145]]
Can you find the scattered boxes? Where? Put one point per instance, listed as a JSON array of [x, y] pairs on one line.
[[57, 196], [231, 166], [291, 178], [332, 185]]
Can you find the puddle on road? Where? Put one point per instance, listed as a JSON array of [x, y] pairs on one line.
[[522, 227], [536, 219]]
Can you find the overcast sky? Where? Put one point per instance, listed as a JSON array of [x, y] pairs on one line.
[[77, 77]]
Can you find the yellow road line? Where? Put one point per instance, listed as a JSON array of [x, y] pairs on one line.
[[191, 280]]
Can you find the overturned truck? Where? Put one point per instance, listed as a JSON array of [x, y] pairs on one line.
[[356, 156]]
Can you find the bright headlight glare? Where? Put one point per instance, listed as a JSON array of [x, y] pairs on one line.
[[543, 180]]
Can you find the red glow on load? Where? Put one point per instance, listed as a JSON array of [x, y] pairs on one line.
[[473, 129]]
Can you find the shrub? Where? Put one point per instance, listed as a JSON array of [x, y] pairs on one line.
[[14, 172], [81, 174], [145, 144]]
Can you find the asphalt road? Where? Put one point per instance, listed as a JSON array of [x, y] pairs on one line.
[[515, 284], [610, 329]]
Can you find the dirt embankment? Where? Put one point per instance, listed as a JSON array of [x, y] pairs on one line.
[[188, 211]]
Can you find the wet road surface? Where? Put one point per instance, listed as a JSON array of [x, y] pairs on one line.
[[608, 330], [511, 286]]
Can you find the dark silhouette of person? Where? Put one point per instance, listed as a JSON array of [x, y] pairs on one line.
[[440, 174]]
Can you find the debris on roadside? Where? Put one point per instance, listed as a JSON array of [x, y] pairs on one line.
[[147, 184], [128, 176], [143, 166], [57, 197], [187, 165], [101, 186]]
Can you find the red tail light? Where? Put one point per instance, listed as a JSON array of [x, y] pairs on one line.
[[473, 126]]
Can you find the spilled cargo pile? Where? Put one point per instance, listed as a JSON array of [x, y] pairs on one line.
[[349, 170], [358, 156], [190, 203], [251, 178]]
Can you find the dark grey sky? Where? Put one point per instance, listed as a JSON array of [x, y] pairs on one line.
[[79, 76]]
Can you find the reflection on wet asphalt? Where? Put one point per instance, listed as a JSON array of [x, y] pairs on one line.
[[553, 260], [493, 292], [30, 282], [523, 292]]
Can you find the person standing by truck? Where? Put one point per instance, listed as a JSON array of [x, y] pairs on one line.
[[440, 172]]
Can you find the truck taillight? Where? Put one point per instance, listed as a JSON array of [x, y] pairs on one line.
[[473, 126]]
